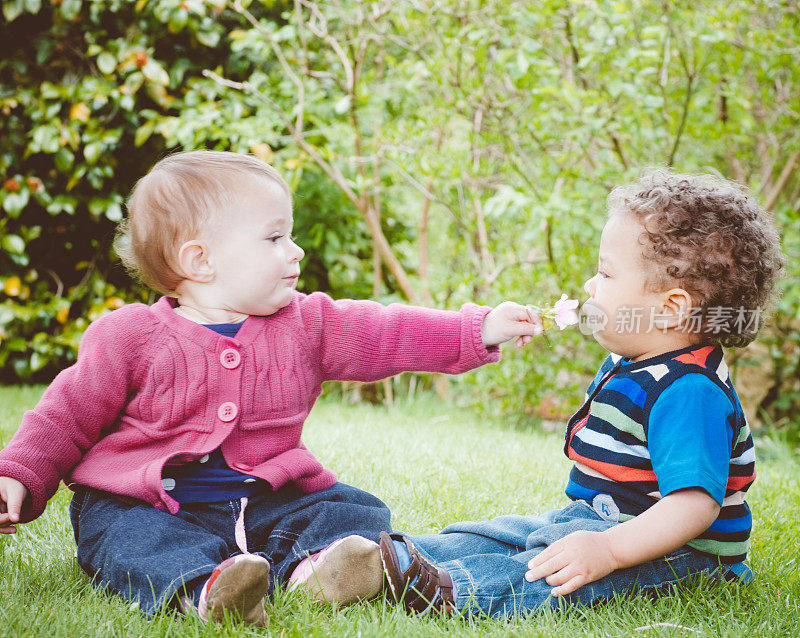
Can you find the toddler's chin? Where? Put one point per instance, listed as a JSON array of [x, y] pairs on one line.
[[611, 344], [600, 338]]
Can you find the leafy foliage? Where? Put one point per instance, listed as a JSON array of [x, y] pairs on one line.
[[439, 152], [99, 91]]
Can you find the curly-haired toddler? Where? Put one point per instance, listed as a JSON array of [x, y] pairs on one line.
[[662, 452]]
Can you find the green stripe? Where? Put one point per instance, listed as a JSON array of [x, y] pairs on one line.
[[743, 434], [618, 419], [719, 548]]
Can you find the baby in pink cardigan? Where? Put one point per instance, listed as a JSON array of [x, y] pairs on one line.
[[179, 426]]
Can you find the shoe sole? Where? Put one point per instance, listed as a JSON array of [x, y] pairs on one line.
[[389, 566], [351, 572], [239, 591]]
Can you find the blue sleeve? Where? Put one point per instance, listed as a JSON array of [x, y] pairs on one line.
[[690, 436]]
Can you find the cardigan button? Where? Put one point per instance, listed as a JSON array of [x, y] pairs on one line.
[[230, 358], [227, 412]]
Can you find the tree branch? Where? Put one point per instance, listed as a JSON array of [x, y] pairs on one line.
[[513, 264], [687, 100], [781, 183], [301, 89], [331, 171], [361, 200]]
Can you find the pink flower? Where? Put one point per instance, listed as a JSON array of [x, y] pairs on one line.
[[565, 312], [562, 313]]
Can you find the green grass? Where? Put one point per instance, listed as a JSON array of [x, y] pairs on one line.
[[433, 464]]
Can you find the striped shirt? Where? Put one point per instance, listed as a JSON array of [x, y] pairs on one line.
[[627, 457]]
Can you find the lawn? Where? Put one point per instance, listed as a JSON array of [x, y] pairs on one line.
[[433, 464]]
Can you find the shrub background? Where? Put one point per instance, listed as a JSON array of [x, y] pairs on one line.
[[439, 152]]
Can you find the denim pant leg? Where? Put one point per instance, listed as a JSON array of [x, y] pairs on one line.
[[502, 535], [287, 525], [487, 561], [145, 554], [493, 583]]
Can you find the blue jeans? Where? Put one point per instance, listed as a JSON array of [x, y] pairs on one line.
[[488, 560], [147, 555]]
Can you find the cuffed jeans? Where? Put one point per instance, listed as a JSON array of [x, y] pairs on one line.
[[488, 560], [148, 555]]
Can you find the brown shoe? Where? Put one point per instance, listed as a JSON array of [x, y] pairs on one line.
[[423, 586]]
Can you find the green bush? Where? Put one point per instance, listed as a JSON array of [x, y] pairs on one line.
[[74, 100], [504, 123], [95, 94]]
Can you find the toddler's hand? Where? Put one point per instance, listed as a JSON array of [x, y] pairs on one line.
[[573, 561], [509, 320], [12, 494]]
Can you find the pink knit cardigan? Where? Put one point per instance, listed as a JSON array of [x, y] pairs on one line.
[[150, 387]]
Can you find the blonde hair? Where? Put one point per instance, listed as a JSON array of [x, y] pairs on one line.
[[172, 203]]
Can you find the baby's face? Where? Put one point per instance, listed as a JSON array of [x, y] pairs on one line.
[[256, 263], [620, 290]]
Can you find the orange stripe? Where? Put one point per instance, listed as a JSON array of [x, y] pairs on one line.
[[698, 356], [612, 471], [738, 482], [580, 424]]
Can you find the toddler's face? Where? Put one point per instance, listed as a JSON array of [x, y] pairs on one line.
[[620, 290], [256, 263]]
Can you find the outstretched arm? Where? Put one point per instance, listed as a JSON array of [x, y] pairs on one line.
[[583, 557], [365, 341]]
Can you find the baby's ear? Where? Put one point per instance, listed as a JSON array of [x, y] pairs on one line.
[[675, 309], [193, 260]]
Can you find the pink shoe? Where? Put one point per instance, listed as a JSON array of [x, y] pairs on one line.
[[346, 571], [237, 586]]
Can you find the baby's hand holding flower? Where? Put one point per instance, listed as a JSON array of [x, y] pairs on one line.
[[509, 320]]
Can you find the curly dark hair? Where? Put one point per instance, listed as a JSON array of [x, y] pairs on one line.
[[708, 236]]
